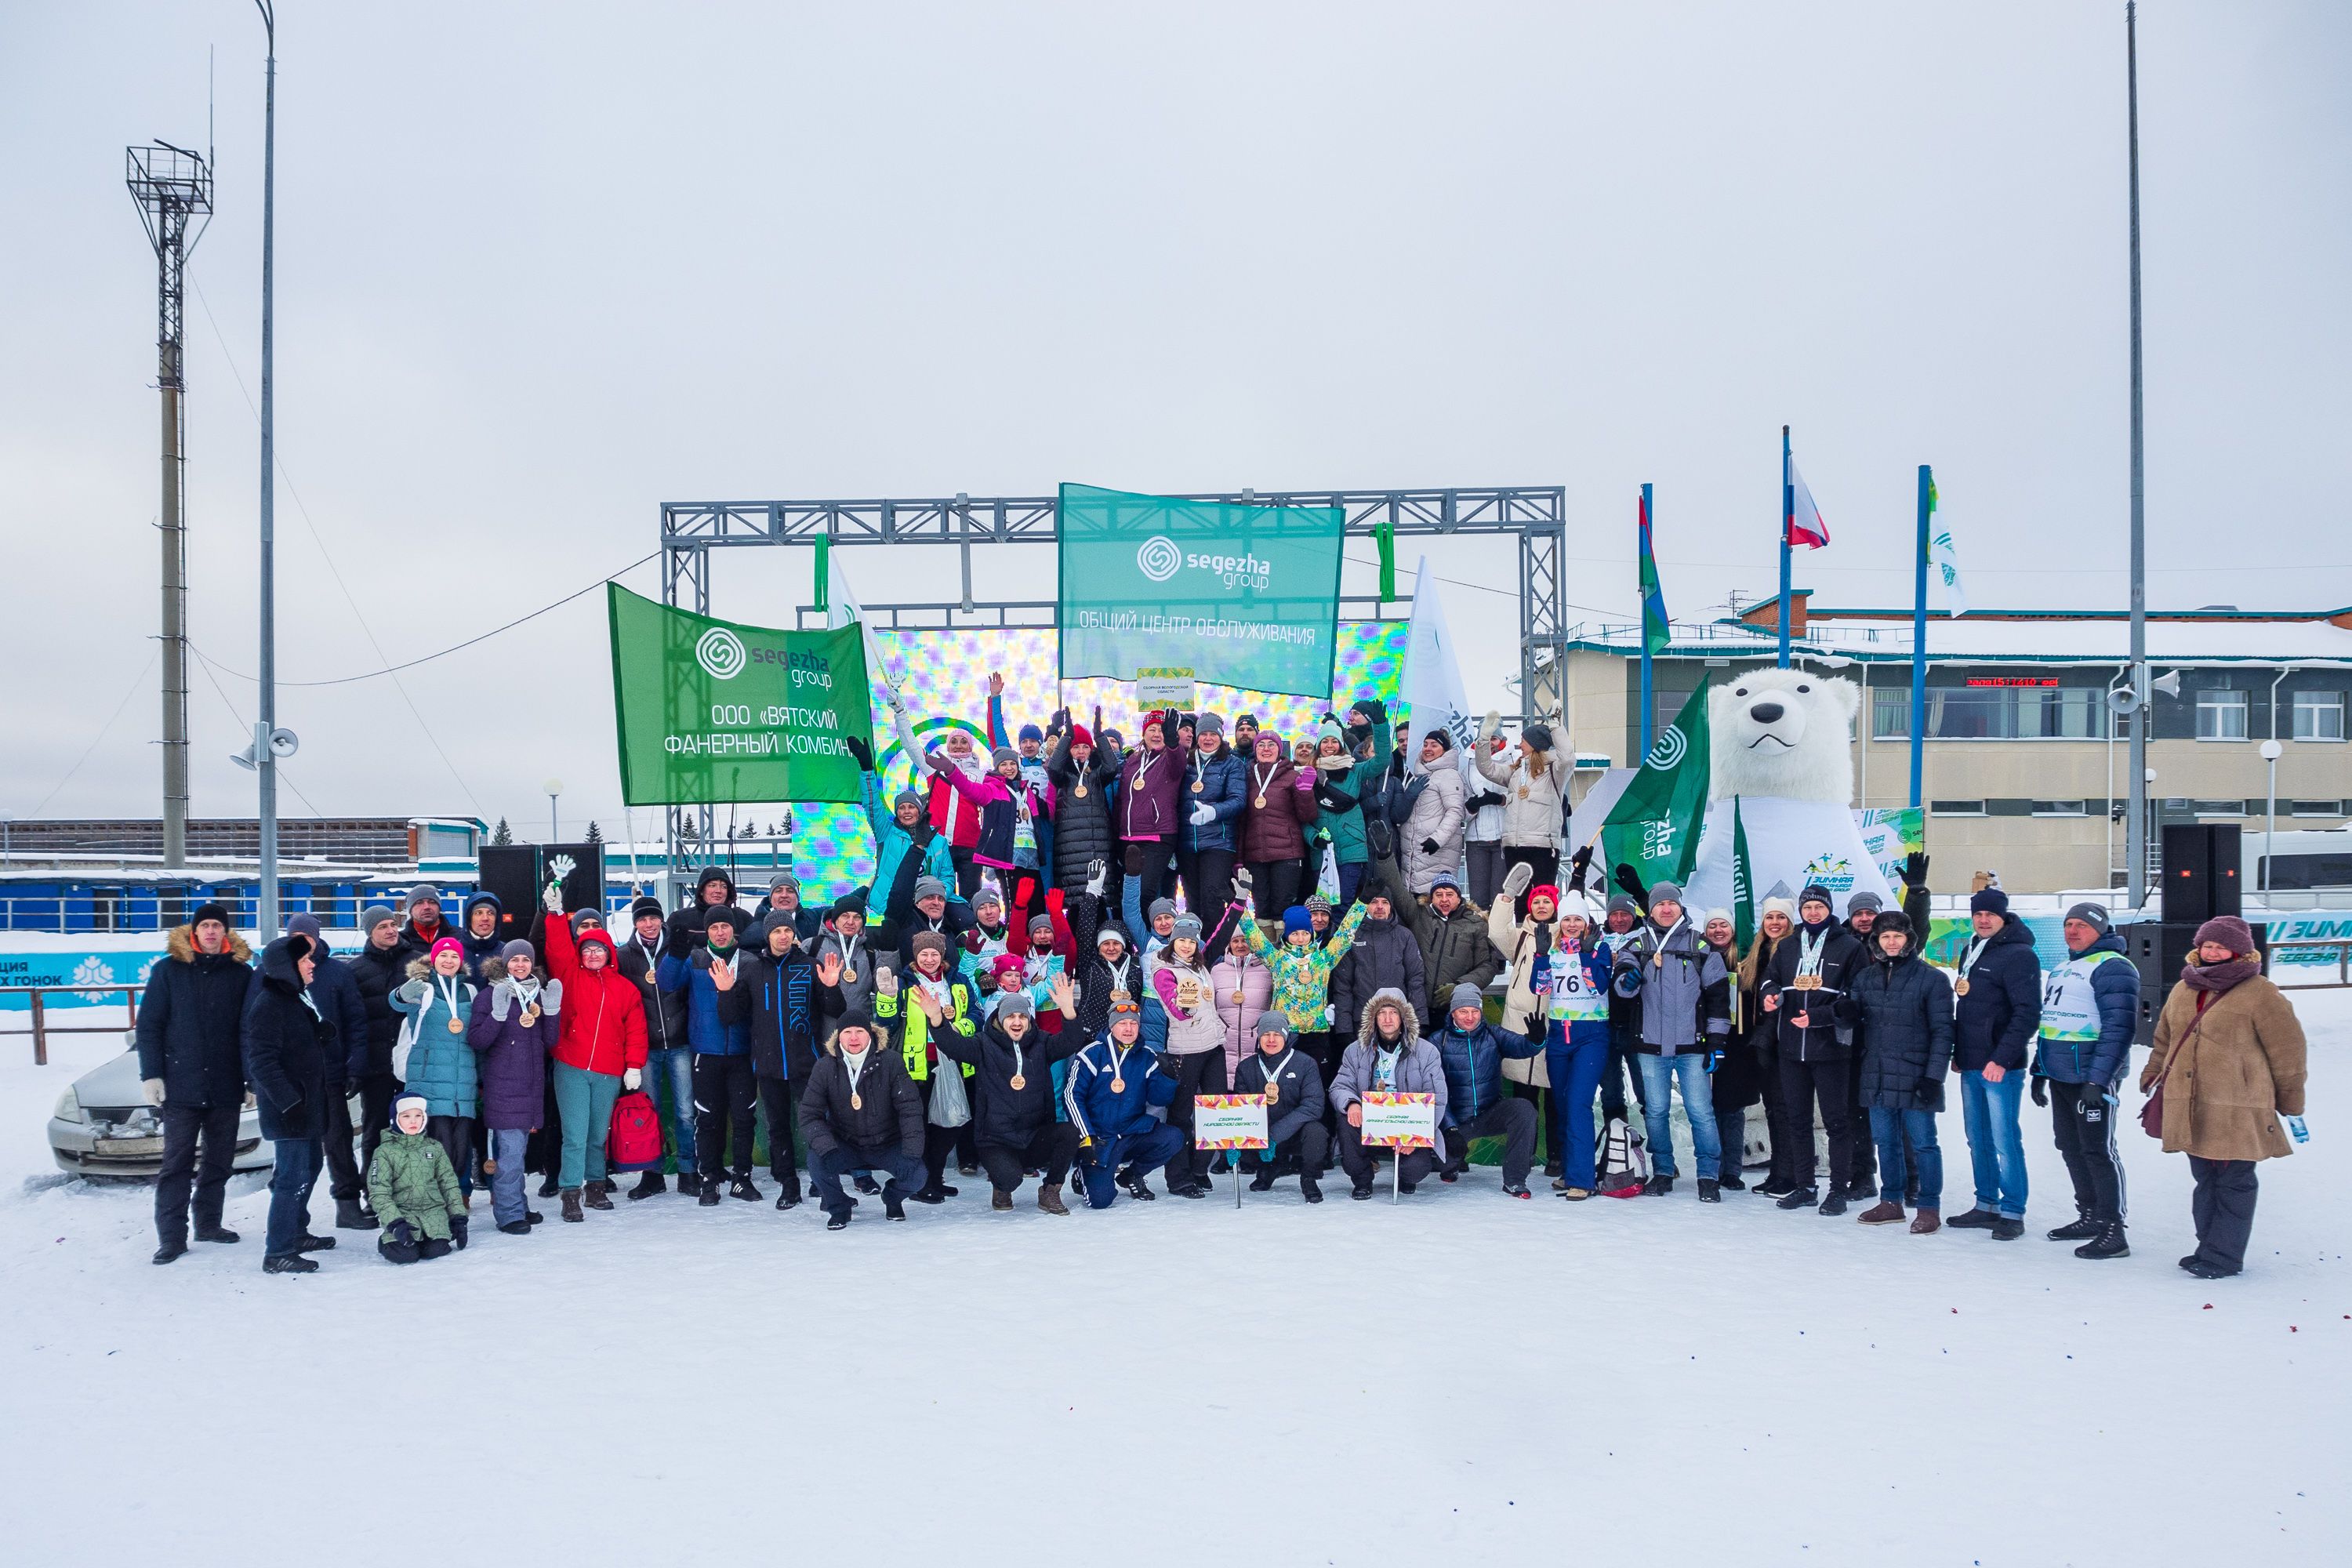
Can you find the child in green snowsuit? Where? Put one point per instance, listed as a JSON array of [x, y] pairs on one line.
[[414, 1190]]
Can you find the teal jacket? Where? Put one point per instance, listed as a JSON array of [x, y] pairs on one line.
[[894, 873], [1348, 827]]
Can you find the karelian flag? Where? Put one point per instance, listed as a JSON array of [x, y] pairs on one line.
[[1805, 528]]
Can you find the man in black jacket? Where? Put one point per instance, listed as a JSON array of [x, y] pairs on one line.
[[1811, 970], [1998, 982], [336, 990], [861, 1112], [1296, 1138], [1385, 956], [1013, 1095], [780, 985], [192, 1068], [377, 970], [286, 1044], [669, 1058]]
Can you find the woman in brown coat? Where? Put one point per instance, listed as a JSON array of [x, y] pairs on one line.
[[2229, 1054]]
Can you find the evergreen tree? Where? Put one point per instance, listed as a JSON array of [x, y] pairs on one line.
[[594, 836], [503, 834]]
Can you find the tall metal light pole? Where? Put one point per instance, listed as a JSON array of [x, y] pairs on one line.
[[265, 757], [174, 187], [2135, 841]]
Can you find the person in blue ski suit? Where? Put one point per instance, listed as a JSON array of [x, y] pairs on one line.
[[1118, 1139]]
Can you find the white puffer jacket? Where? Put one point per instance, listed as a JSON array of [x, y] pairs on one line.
[[1436, 814], [1535, 800]]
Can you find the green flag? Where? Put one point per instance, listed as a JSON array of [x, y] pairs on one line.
[[707, 710], [1653, 827], [1743, 883]]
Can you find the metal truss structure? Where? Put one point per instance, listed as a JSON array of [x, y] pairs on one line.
[[692, 531]]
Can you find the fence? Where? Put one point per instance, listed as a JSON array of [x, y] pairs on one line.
[[42, 1028]]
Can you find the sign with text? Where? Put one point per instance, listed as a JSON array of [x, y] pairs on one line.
[[1229, 1121], [708, 709], [1246, 596], [1400, 1121], [1165, 689]]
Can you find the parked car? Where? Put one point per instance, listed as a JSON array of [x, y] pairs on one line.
[[103, 1126]]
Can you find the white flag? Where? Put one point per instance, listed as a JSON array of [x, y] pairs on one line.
[[1432, 674], [843, 609], [1947, 564]]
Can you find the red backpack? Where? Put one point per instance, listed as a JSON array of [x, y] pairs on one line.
[[635, 1144]]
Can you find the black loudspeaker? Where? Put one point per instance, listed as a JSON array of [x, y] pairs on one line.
[[2159, 951], [2200, 872], [515, 874]]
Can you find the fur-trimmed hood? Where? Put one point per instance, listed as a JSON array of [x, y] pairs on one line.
[[180, 942], [1408, 1036], [422, 969], [493, 970]]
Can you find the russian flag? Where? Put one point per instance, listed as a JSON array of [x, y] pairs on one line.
[[1805, 529]]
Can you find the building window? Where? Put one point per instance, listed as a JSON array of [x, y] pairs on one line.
[[2319, 715], [2314, 809], [2062, 808], [2220, 715], [1993, 713], [1957, 807], [2218, 807]]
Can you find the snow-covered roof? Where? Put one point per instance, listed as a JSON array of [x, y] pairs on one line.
[[2056, 640]]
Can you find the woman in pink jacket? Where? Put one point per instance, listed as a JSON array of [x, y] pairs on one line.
[[1245, 989]]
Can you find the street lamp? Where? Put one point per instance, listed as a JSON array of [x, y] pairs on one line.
[[2270, 750], [554, 788]]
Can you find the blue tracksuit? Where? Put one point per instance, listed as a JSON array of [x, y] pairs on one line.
[[1117, 1123]]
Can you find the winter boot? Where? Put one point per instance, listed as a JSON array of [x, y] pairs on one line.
[[1975, 1219], [2083, 1229], [893, 1206], [515, 1227], [308, 1243], [2108, 1243], [1310, 1189], [1709, 1191], [742, 1187], [2204, 1270], [788, 1199], [928, 1192], [1732, 1184], [595, 1196], [1883, 1213], [1361, 1192], [1657, 1187], [1798, 1198], [1518, 1189], [1576, 1194], [1263, 1181], [169, 1252], [689, 1184], [999, 1200], [710, 1193], [2006, 1229], [548, 1189], [1926, 1221], [292, 1263], [572, 1214], [648, 1185], [1131, 1182], [217, 1235], [1049, 1198], [865, 1184], [1833, 1204], [349, 1216], [837, 1221]]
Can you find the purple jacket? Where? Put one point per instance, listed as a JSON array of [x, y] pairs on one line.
[[513, 1056], [1149, 810]]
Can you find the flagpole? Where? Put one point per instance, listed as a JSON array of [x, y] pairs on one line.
[[1649, 707], [1919, 642], [1788, 510]]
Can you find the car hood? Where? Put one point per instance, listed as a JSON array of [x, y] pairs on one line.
[[112, 1083]]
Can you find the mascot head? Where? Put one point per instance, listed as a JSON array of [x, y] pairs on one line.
[[1782, 732]]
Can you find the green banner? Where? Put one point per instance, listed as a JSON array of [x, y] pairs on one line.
[[711, 711], [1654, 826], [1241, 595]]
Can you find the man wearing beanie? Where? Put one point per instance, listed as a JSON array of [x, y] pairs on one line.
[[1811, 969], [719, 1025], [1478, 1103], [425, 926], [2090, 1006], [1684, 997], [1012, 1091], [1998, 982], [192, 1069], [336, 991], [861, 1112], [784, 906], [377, 970]]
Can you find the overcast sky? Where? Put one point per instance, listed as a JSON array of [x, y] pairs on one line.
[[542, 266]]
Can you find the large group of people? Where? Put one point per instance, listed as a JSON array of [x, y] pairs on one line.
[[1069, 938]]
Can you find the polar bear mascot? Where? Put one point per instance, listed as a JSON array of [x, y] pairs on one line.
[[1779, 748]]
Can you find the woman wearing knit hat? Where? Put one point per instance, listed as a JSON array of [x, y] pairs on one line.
[[437, 1001], [1776, 917], [1278, 814], [1082, 774], [513, 1028], [2228, 1064], [1179, 977], [1534, 796]]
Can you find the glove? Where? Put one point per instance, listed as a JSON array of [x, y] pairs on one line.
[[1169, 1062], [1915, 870], [552, 901], [630, 1078], [1490, 723], [457, 1231], [1267, 1154], [1203, 815], [1632, 885], [152, 1088], [1098, 873], [411, 991], [400, 1233], [2294, 1127], [551, 997], [861, 750], [1578, 865], [1429, 846], [2040, 1090], [502, 995], [1626, 982], [1927, 1087], [1517, 880], [1373, 710]]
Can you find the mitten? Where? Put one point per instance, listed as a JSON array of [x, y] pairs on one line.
[[457, 1231], [1915, 870], [1632, 884], [411, 991], [152, 1088], [400, 1233], [2040, 1090], [1169, 1062], [551, 997], [630, 1078], [1517, 880], [1203, 815], [502, 994]]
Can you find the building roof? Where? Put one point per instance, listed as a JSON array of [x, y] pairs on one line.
[[2214, 636]]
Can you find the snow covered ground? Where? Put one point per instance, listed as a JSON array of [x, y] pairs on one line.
[[1462, 1379]]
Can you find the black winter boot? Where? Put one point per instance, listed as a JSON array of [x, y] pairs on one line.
[[290, 1263], [648, 1185], [170, 1252], [2083, 1229], [1798, 1198], [689, 1184], [1709, 1191], [2108, 1243], [712, 1193], [742, 1187], [548, 1189], [349, 1216]]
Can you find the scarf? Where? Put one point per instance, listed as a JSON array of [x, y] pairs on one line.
[[2217, 978]]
